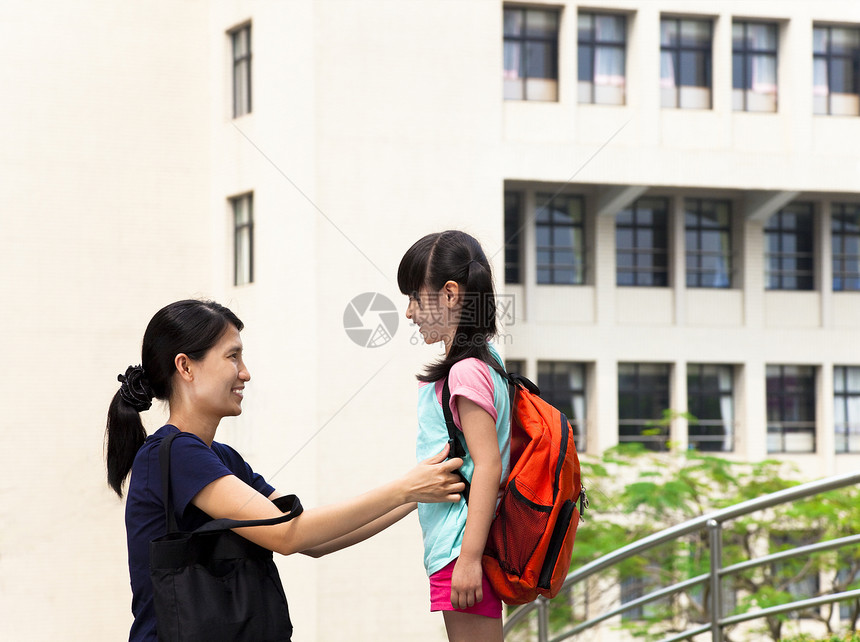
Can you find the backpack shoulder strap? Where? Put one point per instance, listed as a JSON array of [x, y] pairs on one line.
[[456, 446]]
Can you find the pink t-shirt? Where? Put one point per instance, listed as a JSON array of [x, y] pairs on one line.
[[469, 378]]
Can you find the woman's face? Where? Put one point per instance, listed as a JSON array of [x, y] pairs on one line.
[[220, 377]]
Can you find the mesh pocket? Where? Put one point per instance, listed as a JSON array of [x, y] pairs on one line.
[[517, 530]]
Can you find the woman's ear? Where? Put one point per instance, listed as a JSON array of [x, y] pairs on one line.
[[453, 293], [183, 366]]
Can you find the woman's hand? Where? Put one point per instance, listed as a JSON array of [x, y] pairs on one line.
[[466, 586], [433, 480]]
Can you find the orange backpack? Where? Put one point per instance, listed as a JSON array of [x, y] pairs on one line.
[[530, 543]]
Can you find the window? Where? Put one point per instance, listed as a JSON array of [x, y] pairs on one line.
[[642, 243], [602, 39], [846, 246], [685, 63], [643, 395], [789, 249], [754, 66], [243, 239], [835, 86], [846, 408], [241, 40], [709, 243], [710, 401], [560, 236], [516, 366], [513, 237], [531, 54], [790, 409], [563, 385]]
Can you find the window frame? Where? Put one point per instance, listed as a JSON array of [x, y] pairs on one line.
[[776, 400], [676, 51], [840, 257], [695, 397], [775, 226], [243, 239], [549, 203], [699, 254], [523, 40], [635, 252], [594, 45], [746, 53], [649, 392], [242, 95], [513, 216], [829, 57], [556, 395], [843, 397]]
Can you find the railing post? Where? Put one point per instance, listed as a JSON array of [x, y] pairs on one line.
[[715, 541], [543, 619]]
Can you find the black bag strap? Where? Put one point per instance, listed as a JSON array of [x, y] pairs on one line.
[[457, 449], [290, 504]]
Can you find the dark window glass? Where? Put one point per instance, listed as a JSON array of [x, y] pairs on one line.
[[846, 408], [790, 409], [708, 243], [643, 395], [685, 63], [789, 249], [241, 42], [560, 239], [602, 40], [530, 54], [243, 239], [563, 385], [835, 57], [642, 243], [710, 400], [754, 82], [846, 246], [513, 237]]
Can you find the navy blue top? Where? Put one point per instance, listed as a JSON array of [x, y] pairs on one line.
[[193, 466]]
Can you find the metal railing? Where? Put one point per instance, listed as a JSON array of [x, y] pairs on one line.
[[712, 523]]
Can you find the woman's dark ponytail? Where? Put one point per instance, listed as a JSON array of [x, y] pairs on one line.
[[188, 327], [124, 435]]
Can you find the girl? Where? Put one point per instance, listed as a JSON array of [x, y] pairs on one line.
[[192, 359], [450, 287]]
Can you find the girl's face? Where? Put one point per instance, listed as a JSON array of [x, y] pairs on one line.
[[220, 377], [435, 315]]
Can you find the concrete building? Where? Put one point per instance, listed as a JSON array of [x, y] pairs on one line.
[[682, 233]]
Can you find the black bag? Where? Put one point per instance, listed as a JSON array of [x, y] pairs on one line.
[[212, 584]]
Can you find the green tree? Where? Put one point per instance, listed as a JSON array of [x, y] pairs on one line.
[[635, 492]]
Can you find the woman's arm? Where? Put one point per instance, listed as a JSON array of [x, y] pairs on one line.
[[363, 533], [430, 481], [479, 429]]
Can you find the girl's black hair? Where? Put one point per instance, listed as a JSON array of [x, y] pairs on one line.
[[191, 327], [454, 256]]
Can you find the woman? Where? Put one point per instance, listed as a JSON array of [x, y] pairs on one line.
[[192, 359]]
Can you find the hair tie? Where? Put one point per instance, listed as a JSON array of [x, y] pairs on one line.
[[135, 389]]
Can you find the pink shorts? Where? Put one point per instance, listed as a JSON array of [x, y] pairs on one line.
[[440, 595]]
